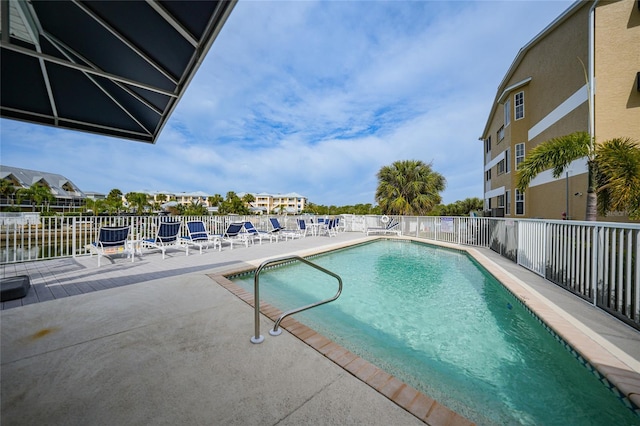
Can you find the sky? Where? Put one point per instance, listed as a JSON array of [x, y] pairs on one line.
[[314, 98]]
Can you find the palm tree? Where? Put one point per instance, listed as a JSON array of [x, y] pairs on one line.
[[113, 202], [248, 199], [558, 153], [617, 176], [38, 194], [215, 200], [409, 187], [138, 200], [96, 206]]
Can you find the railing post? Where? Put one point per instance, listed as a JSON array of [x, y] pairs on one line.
[[594, 265], [73, 237], [257, 337]]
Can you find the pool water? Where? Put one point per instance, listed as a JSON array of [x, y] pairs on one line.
[[439, 322]]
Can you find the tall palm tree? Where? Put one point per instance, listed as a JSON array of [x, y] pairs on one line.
[[617, 175], [558, 153], [409, 187]]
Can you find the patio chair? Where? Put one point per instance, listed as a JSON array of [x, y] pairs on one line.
[[258, 234], [234, 235], [392, 227], [112, 240], [302, 227], [198, 236], [328, 228], [279, 229], [168, 236]]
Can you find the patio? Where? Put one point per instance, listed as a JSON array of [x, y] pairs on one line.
[[159, 342]]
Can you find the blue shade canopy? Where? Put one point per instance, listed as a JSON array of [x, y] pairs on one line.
[[115, 68]]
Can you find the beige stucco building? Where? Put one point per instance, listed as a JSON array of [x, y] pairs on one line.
[[292, 203], [545, 94]]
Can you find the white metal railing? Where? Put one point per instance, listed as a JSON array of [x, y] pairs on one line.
[[598, 261]]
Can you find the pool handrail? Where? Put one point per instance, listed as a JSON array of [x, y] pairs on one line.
[[257, 338]]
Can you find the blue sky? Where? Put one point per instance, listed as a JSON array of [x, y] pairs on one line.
[[314, 98]]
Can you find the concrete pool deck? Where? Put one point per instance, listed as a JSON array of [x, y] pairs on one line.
[[161, 343]]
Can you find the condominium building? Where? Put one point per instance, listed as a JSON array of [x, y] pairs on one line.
[[545, 94], [292, 203]]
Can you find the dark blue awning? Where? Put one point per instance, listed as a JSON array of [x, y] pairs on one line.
[[115, 68]]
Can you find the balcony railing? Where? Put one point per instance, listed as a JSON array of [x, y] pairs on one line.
[[599, 262]]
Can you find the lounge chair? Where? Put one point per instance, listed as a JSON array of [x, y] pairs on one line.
[[328, 228], [254, 234], [198, 236], [278, 229], [112, 240], [168, 236], [302, 227], [391, 227], [234, 235]]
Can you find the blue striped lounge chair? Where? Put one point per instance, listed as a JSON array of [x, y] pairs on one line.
[[302, 227], [199, 237], [234, 235], [255, 234], [168, 236], [112, 240], [280, 230]]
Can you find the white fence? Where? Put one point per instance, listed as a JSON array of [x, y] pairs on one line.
[[598, 261]]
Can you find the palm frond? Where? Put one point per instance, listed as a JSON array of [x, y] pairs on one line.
[[556, 154]]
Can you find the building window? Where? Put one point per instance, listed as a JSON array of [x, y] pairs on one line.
[[507, 112], [500, 134], [500, 200], [519, 154], [519, 104], [487, 145], [507, 156], [507, 201], [500, 167], [519, 202], [487, 175]]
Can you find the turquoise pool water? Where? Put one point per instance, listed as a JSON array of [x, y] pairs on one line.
[[436, 320]]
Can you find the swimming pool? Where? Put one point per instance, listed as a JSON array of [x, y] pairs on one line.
[[436, 320]]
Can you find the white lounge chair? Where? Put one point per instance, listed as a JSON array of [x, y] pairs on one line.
[[199, 237], [286, 233], [254, 233], [168, 236], [112, 240], [391, 227], [234, 235]]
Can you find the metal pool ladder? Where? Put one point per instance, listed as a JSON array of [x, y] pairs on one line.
[[257, 338]]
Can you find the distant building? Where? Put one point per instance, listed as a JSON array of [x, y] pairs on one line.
[[544, 94], [265, 203], [67, 195]]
